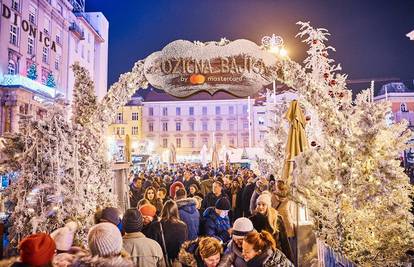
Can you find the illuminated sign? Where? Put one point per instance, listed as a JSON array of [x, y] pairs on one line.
[[28, 27], [183, 68]]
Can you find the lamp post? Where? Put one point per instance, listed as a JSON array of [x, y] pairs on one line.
[[274, 44]]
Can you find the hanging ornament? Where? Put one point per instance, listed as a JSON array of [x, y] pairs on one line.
[[330, 93], [326, 75], [315, 41], [308, 118], [313, 143], [332, 82]]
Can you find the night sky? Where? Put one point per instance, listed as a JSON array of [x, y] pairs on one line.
[[369, 36]]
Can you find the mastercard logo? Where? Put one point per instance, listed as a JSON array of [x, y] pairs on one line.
[[197, 79]]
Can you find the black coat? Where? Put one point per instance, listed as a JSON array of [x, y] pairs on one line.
[[210, 200], [260, 222], [136, 194], [245, 199], [175, 234]]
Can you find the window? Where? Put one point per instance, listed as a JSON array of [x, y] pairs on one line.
[[218, 125], [57, 62], [244, 109], [178, 142], [134, 130], [164, 142], [32, 14], [11, 68], [403, 107], [14, 35], [151, 127], [165, 126], [122, 131], [178, 111], [231, 141], [245, 125], [30, 45], [178, 126], [192, 143], [119, 117], [204, 110], [164, 111], [231, 110], [45, 55], [204, 126], [59, 36], [245, 141], [218, 110], [134, 116], [15, 5], [46, 28], [205, 141], [261, 120], [191, 111], [60, 9], [231, 125], [191, 125], [151, 111]]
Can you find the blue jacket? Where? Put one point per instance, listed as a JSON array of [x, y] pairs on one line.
[[190, 215], [215, 226]]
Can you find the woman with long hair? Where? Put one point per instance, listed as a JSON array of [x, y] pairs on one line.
[[151, 195], [173, 231], [204, 251], [267, 218], [259, 249]]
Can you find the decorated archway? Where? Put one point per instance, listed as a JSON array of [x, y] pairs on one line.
[[353, 184]]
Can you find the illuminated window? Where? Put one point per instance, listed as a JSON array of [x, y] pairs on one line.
[[178, 126], [134, 130], [14, 35], [178, 142], [165, 126], [134, 116], [164, 111]]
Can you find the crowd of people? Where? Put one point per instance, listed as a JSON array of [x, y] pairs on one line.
[[189, 215]]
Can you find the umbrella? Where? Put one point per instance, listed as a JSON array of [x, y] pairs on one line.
[[203, 155], [173, 154], [215, 157], [297, 141], [127, 148]]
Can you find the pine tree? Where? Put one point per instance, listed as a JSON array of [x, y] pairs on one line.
[[358, 193], [32, 72], [50, 81]]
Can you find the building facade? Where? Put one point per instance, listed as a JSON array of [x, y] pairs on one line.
[[37, 47]]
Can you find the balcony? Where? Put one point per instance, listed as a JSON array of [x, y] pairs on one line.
[[18, 80], [77, 30]]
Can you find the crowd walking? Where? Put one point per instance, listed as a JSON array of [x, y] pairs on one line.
[[188, 215]]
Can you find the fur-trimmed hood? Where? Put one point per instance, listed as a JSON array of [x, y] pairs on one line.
[[187, 204], [96, 261], [189, 255]]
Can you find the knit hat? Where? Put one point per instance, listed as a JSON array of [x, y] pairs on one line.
[[242, 226], [64, 236], [111, 214], [223, 204], [37, 249], [104, 239], [132, 221], [266, 198], [148, 210], [173, 188]]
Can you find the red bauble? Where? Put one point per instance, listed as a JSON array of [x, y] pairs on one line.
[[330, 93], [341, 94], [315, 41], [326, 75], [332, 82], [308, 118], [313, 143]]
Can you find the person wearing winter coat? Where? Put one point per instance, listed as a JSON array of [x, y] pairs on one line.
[[246, 196], [194, 191], [151, 228], [105, 247], [216, 222], [202, 252], [143, 251], [187, 208], [206, 185], [211, 198], [262, 185], [136, 192], [259, 250], [174, 231], [267, 218], [233, 253], [151, 195]]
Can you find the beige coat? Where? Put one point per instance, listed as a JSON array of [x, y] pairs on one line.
[[144, 251], [282, 205]]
